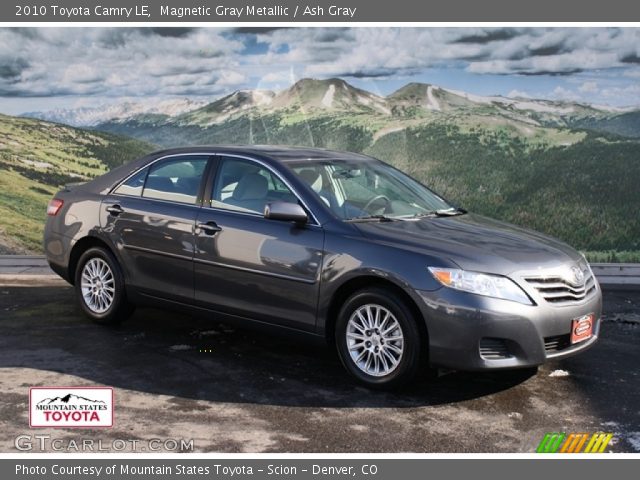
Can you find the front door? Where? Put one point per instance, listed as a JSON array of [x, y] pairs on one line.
[[250, 266]]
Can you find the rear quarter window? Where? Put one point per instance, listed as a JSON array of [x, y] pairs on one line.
[[134, 185]]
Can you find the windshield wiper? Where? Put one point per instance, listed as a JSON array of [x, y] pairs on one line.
[[447, 212], [450, 212], [371, 218]]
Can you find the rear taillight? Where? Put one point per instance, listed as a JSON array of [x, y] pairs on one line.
[[54, 206]]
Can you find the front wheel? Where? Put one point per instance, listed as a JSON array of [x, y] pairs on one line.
[[378, 339], [100, 287]]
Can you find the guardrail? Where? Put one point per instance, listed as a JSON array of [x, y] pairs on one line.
[[24, 265], [610, 275], [622, 275]]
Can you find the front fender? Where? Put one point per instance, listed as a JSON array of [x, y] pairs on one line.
[[349, 259]]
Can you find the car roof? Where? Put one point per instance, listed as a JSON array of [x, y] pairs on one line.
[[280, 153]]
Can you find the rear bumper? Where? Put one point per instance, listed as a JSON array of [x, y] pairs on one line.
[[61, 271], [57, 248], [528, 335]]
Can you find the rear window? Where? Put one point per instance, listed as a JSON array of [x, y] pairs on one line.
[[176, 179]]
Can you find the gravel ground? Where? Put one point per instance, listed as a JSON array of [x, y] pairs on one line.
[[232, 390]]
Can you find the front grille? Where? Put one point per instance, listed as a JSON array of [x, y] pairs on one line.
[[494, 349], [557, 290], [556, 343]]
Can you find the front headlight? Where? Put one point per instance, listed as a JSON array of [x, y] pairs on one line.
[[585, 263], [480, 283]]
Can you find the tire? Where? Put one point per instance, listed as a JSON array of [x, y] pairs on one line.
[[359, 331], [100, 287]]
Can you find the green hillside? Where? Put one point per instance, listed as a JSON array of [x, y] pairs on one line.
[[626, 124], [36, 158], [585, 193]]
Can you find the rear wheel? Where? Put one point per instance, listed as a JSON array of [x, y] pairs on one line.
[[100, 287], [378, 340]]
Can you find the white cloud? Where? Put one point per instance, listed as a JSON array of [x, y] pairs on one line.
[[285, 76], [630, 92], [518, 94], [231, 78], [374, 52], [561, 93], [564, 63], [114, 62], [130, 62], [589, 87]]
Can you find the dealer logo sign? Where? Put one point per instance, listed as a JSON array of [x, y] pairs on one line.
[[71, 407]]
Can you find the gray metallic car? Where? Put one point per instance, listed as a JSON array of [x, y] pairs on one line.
[[339, 246]]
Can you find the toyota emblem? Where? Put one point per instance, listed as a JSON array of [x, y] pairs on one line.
[[577, 276]]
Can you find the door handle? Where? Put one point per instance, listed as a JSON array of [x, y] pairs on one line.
[[209, 228], [115, 210]]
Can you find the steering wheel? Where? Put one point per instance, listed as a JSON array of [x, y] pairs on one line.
[[375, 199]]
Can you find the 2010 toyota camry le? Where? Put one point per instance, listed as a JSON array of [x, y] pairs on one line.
[[337, 245]]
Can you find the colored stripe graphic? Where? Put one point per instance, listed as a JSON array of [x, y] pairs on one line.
[[560, 442], [574, 443], [598, 442], [550, 443]]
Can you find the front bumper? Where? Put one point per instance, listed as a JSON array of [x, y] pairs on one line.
[[457, 323]]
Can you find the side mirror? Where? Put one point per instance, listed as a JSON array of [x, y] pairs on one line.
[[286, 211]]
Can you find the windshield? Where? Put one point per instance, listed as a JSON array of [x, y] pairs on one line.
[[356, 189]]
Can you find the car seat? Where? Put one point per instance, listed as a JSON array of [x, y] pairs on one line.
[[250, 193]]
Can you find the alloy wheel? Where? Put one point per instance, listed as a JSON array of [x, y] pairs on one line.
[[97, 285], [375, 340]]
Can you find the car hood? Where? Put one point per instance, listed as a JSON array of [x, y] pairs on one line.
[[474, 243]]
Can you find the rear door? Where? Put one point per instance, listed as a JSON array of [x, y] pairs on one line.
[[250, 266], [150, 218]]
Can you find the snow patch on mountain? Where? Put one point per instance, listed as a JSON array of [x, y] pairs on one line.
[[91, 116], [432, 102], [611, 109], [373, 102], [262, 98], [477, 98], [541, 107], [327, 100]]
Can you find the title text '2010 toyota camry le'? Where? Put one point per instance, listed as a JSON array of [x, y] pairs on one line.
[[336, 245]]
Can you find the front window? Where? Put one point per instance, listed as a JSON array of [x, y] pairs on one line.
[[361, 189], [246, 186]]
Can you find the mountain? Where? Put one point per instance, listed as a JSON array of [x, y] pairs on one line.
[[91, 116], [36, 158], [68, 399], [306, 95], [312, 98], [333, 94], [428, 97], [226, 107], [563, 168], [416, 97]]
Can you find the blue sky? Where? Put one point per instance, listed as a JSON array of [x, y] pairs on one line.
[[47, 68]]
